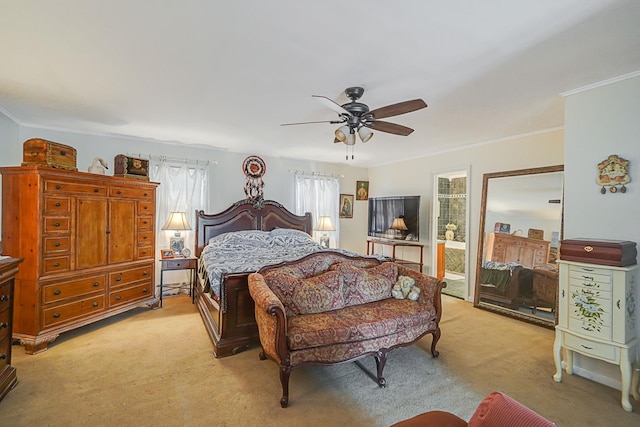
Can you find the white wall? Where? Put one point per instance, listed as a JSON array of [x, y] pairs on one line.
[[600, 122], [227, 176], [416, 177]]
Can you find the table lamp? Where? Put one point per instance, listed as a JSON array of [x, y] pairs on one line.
[[399, 225], [324, 224], [177, 221]]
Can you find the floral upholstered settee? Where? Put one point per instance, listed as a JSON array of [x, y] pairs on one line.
[[329, 308]]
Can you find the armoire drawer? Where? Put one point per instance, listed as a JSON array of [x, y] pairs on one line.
[[56, 224], [145, 238], [63, 290], [68, 312], [51, 186], [126, 295], [55, 265], [121, 278], [145, 223], [56, 244], [57, 204], [146, 208], [145, 252], [138, 193]]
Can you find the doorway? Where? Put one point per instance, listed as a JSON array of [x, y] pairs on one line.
[[449, 231]]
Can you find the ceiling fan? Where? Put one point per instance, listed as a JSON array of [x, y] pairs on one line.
[[356, 117]]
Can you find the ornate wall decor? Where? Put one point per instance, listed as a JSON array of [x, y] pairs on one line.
[[613, 172], [254, 169]]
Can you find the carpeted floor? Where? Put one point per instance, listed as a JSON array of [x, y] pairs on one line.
[[155, 367]]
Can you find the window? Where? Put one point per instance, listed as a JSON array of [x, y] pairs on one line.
[[319, 195]]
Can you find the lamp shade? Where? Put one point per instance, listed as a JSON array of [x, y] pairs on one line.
[[398, 224], [177, 221], [365, 133], [342, 132], [324, 224]]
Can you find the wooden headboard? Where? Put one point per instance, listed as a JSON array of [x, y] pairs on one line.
[[248, 214]]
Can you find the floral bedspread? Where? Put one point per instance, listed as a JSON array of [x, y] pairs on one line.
[[248, 251]]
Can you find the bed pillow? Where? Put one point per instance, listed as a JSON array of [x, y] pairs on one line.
[[315, 294], [289, 236], [363, 285]]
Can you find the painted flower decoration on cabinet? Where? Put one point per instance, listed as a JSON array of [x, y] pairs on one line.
[[588, 310]]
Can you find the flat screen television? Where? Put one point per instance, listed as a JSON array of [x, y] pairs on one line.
[[383, 211]]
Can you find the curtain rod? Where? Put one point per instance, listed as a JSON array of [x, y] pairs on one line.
[[313, 173], [174, 159]]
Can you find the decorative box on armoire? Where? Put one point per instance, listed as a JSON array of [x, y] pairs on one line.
[[88, 246], [8, 270], [597, 309]]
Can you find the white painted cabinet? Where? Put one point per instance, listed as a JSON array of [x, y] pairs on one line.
[[596, 318]]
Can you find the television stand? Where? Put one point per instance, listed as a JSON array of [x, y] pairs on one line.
[[394, 243]]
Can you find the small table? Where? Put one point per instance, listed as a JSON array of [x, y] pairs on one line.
[[372, 242], [172, 264]]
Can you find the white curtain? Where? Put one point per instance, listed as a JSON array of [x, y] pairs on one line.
[[183, 188], [320, 196]]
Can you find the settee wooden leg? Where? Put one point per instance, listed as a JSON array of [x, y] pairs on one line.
[[262, 355], [381, 360], [434, 341], [285, 372]]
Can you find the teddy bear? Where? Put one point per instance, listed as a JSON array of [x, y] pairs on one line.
[[405, 287]]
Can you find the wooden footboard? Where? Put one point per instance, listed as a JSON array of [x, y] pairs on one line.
[[231, 325]]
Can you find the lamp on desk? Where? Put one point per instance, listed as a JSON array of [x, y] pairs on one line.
[[324, 224], [399, 225], [177, 221]]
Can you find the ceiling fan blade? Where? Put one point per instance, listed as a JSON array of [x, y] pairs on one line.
[[389, 128], [331, 104], [397, 109], [309, 123]]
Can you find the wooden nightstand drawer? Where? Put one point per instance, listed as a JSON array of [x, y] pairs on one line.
[[4, 323], [126, 277], [179, 263], [67, 312], [592, 348], [63, 290]]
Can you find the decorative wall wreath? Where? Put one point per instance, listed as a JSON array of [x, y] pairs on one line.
[[254, 169]]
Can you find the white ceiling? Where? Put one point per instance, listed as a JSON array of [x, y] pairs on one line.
[[227, 74]]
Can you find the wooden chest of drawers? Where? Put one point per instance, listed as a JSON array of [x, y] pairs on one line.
[[8, 270], [87, 241]]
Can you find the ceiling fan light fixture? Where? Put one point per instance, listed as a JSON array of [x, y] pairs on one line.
[[350, 139], [365, 133], [342, 132]]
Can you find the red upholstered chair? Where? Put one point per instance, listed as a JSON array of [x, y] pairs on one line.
[[496, 410]]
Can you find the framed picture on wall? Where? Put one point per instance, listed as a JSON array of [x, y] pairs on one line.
[[346, 205], [362, 190]]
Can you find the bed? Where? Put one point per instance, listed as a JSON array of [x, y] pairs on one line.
[[226, 308], [507, 284]]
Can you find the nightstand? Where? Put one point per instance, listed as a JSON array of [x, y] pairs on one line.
[[173, 264]]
